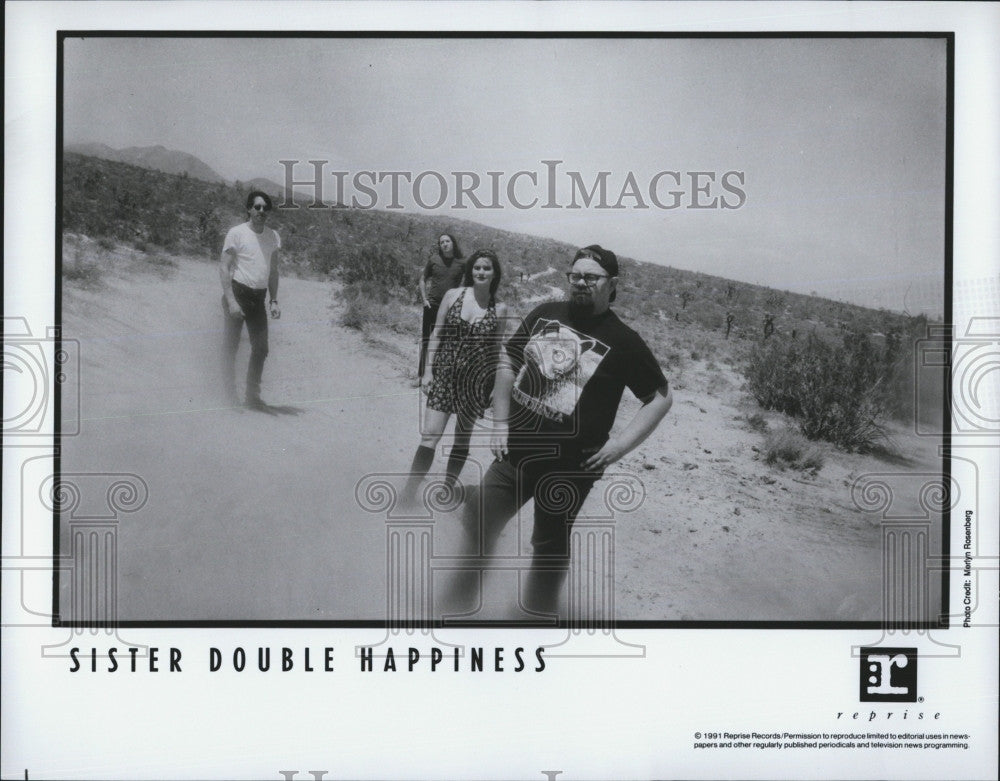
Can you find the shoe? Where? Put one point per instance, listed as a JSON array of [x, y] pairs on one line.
[[255, 402]]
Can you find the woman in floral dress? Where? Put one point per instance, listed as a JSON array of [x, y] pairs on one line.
[[462, 359]]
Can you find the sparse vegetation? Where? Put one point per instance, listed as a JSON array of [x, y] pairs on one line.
[[757, 422], [82, 269], [838, 393], [788, 449], [846, 370], [370, 304], [162, 264], [375, 266]]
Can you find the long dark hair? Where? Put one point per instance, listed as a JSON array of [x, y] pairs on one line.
[[483, 253], [456, 251]]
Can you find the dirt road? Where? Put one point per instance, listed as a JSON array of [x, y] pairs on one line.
[[253, 516]]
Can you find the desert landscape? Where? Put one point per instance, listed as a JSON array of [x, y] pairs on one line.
[[253, 516]]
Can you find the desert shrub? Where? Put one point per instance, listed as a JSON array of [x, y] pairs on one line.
[[911, 378], [772, 377], [790, 449], [361, 313], [82, 269], [210, 233], [163, 228], [838, 393], [774, 301], [160, 261], [370, 304], [376, 266], [377, 291], [757, 422]]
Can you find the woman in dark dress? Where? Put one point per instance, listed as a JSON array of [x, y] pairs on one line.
[[461, 363]]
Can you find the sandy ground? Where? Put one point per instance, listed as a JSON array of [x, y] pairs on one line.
[[254, 515]]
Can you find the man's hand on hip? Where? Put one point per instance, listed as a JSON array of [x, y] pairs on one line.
[[605, 457]]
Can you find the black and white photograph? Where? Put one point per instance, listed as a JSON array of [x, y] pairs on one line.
[[409, 350], [717, 256]]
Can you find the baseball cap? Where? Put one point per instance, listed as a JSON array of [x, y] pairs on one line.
[[605, 257]]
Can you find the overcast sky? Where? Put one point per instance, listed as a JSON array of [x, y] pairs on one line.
[[841, 142]]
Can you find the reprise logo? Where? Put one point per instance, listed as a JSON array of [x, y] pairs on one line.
[[888, 675]]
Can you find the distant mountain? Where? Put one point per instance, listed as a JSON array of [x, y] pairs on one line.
[[169, 161], [261, 183], [159, 158]]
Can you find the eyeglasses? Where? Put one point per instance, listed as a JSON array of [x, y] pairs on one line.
[[261, 207], [590, 280]]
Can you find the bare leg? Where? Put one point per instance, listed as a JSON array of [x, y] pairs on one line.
[[431, 431]]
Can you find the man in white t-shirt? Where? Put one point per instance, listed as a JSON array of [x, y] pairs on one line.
[[249, 272]]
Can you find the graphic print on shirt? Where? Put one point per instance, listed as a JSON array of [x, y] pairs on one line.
[[558, 362]]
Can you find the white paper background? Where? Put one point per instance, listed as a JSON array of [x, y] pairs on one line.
[[590, 718]]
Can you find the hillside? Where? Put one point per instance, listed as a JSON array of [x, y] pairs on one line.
[[202, 208], [683, 314]]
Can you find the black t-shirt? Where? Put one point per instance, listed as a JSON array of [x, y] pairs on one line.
[[440, 277], [570, 375]]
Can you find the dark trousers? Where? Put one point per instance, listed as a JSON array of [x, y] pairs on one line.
[[559, 488], [255, 316], [426, 328]]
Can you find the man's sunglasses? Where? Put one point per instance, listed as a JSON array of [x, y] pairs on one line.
[[590, 280]]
